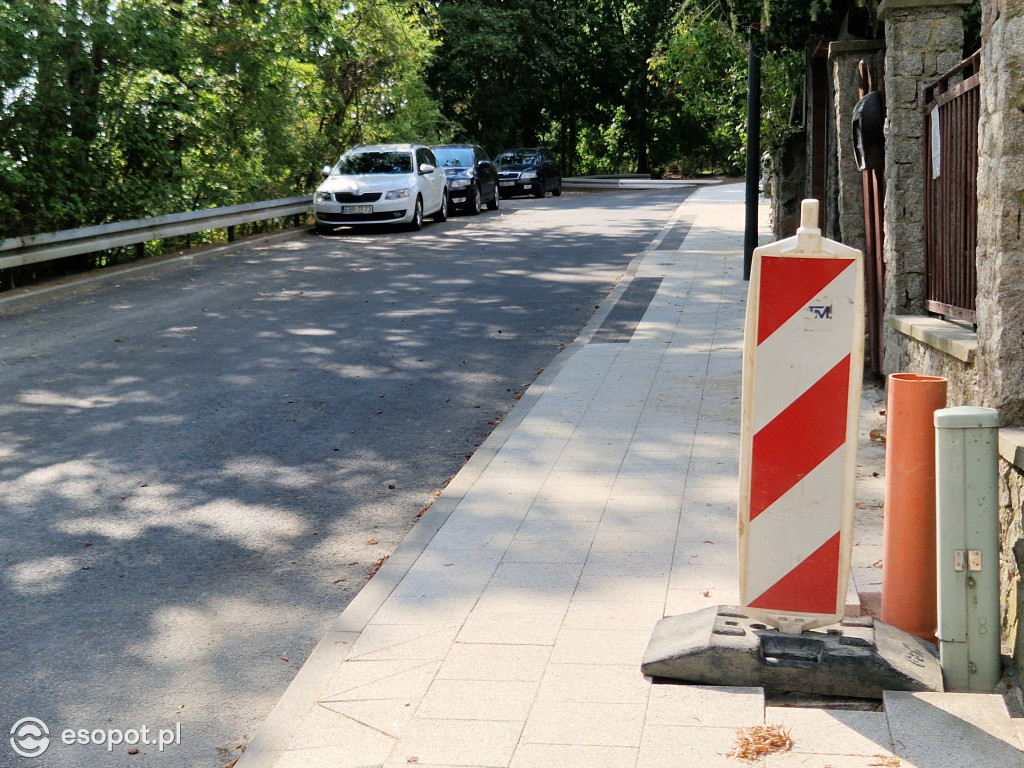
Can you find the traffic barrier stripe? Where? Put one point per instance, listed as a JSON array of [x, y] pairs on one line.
[[803, 356]]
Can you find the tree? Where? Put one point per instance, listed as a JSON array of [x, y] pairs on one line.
[[141, 107], [702, 71]]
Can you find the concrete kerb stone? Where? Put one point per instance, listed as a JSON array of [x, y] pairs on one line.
[[308, 687]]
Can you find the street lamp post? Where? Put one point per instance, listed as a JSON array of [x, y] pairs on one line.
[[753, 154]]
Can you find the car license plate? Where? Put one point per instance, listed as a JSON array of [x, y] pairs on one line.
[[507, 183], [357, 209]]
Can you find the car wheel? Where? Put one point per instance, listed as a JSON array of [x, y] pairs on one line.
[[539, 192], [557, 191], [476, 204], [417, 216], [442, 212], [492, 204]]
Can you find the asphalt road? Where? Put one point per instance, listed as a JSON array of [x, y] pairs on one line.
[[199, 470]]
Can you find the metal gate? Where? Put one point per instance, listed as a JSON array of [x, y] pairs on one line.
[[951, 111], [872, 164]]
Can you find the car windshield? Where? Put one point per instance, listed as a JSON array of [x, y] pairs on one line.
[[454, 157], [518, 158], [362, 163]]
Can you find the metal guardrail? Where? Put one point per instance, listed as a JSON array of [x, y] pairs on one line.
[[32, 249]]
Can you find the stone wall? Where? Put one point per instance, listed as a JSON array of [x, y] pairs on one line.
[[1011, 556], [787, 184], [918, 357], [1001, 212], [1000, 261], [923, 40]]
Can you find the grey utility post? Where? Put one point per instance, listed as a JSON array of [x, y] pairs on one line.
[[967, 526]]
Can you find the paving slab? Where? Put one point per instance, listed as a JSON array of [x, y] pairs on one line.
[[952, 730]]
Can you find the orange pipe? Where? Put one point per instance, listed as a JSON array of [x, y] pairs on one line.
[[909, 591]]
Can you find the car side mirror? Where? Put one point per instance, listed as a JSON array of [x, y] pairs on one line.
[[426, 168], [325, 171], [483, 164]]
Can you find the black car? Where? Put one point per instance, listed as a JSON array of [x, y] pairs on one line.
[[472, 178], [532, 171]]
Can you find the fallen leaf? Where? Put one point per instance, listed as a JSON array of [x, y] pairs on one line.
[[372, 541], [376, 566], [758, 740], [876, 436], [133, 750], [889, 762]]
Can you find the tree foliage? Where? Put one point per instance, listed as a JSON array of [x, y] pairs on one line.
[[115, 110], [118, 109]]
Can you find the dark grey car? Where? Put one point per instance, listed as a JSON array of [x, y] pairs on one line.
[[471, 176], [528, 171]]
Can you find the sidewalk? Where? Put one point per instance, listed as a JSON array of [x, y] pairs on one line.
[[508, 628]]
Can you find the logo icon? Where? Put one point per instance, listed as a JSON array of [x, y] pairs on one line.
[[30, 737]]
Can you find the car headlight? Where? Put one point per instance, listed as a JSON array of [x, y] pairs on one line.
[[528, 175], [395, 194], [459, 183], [323, 197]]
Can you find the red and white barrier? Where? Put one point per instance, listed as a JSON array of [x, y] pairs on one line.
[[802, 371]]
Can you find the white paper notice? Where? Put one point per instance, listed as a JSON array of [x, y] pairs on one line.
[[936, 145]]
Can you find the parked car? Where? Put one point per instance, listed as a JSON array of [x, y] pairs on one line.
[[532, 171], [472, 178], [382, 184]]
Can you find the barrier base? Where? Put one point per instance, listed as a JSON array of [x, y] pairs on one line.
[[860, 657]]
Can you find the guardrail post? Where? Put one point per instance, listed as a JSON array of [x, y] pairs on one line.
[[231, 234]]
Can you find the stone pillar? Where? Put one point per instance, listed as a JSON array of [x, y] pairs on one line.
[[1000, 357], [843, 56], [924, 39]]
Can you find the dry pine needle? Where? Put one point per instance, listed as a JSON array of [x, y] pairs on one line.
[[758, 740]]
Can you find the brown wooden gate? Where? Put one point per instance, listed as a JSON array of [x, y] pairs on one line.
[[872, 80]]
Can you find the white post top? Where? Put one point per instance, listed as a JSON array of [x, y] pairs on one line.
[[808, 235], [809, 217]]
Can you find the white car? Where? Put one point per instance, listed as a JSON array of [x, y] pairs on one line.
[[382, 184]]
